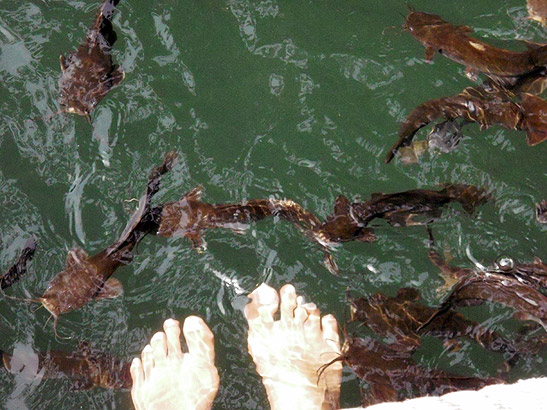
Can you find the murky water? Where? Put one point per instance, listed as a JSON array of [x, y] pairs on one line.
[[266, 98]]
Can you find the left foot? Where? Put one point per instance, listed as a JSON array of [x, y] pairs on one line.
[[168, 379]]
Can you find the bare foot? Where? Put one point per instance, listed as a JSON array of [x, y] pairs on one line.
[[167, 378], [289, 352]]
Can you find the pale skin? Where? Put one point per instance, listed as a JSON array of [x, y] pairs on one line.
[[288, 353]]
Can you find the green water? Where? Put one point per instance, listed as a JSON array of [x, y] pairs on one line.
[[288, 99]]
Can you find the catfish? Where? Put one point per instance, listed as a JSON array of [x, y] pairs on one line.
[[454, 42], [88, 73], [15, 272], [393, 375], [402, 208], [474, 104], [85, 368], [89, 277], [398, 318]]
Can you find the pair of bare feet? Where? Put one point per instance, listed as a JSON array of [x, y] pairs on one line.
[[288, 353]]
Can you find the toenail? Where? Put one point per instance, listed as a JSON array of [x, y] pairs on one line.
[[157, 336], [192, 324], [266, 296], [170, 322], [147, 349], [300, 300]]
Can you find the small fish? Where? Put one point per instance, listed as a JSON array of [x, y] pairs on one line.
[[86, 368], [88, 73], [438, 35], [20, 267]]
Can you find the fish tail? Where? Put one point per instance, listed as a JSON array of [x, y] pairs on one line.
[[469, 196]]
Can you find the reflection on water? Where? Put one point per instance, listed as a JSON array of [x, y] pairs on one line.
[[270, 98]]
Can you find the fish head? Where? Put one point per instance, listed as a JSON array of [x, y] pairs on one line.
[[416, 22]]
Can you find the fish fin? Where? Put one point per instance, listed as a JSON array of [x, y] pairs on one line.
[[75, 257], [118, 76], [330, 263], [534, 137], [194, 194], [430, 53], [198, 243], [111, 289], [366, 235], [341, 205], [63, 63], [410, 294], [465, 29]]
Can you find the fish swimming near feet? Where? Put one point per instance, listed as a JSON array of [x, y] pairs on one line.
[[85, 368], [393, 376], [88, 73], [398, 318], [15, 272], [454, 42], [87, 278], [474, 104]]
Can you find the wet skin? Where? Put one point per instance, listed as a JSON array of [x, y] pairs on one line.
[[85, 368], [88, 73], [437, 35], [393, 375], [15, 272]]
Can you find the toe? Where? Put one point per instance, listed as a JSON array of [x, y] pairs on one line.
[[199, 339], [330, 332], [172, 331], [137, 375], [147, 360], [263, 306], [288, 303], [313, 323], [159, 347]]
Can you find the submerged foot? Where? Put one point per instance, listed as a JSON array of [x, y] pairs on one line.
[[290, 352], [166, 378]]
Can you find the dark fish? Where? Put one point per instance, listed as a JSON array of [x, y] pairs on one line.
[[20, 267], [437, 35], [475, 104], [401, 208], [514, 288], [89, 277], [88, 73], [394, 376], [85, 368], [398, 318]]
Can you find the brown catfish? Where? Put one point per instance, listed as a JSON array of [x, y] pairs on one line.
[[474, 104], [20, 267], [401, 208], [399, 317], [85, 368], [437, 35], [394, 376], [508, 290], [88, 73], [89, 277]]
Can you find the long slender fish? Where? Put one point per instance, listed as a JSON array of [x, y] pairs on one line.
[[438, 35], [474, 104], [89, 277], [88, 73], [85, 368], [15, 272]]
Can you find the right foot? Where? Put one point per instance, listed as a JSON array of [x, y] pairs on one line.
[[289, 353], [168, 379]]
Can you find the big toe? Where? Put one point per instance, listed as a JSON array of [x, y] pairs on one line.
[[263, 306], [200, 339]]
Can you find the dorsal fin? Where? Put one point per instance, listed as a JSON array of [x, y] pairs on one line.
[[75, 257], [341, 205], [194, 194]]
